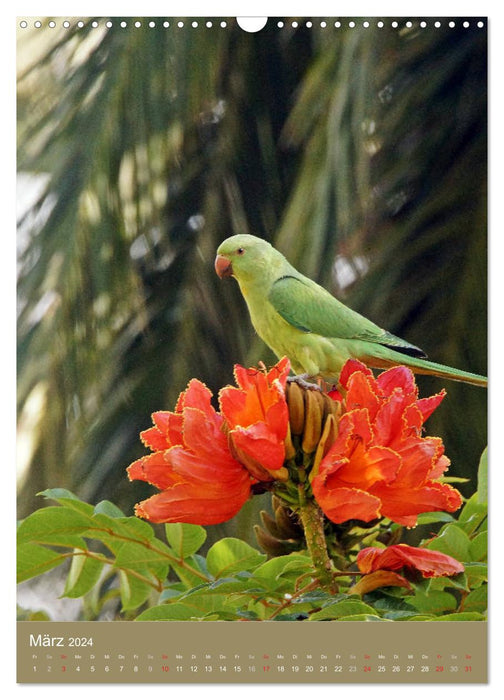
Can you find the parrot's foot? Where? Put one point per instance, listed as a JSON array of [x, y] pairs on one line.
[[301, 380]]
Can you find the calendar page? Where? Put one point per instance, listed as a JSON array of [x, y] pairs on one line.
[[252, 347]]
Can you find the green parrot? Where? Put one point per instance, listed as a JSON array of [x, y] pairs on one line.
[[296, 317]]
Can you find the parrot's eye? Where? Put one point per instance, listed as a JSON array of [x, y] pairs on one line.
[[240, 251]]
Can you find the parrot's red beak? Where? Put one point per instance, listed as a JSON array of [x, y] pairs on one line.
[[223, 266]]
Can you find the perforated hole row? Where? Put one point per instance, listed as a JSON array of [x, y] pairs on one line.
[[209, 23]]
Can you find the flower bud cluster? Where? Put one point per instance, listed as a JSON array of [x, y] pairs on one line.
[[313, 427], [280, 534]]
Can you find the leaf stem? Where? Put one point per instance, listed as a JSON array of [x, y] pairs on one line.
[[172, 558]]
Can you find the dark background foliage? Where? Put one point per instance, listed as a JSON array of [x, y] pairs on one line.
[[360, 153]]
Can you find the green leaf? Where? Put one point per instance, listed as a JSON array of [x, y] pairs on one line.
[[185, 539], [113, 531], [134, 590], [57, 494], [108, 508], [438, 583], [434, 517], [271, 571], [67, 498], [190, 576], [172, 611], [84, 573], [343, 608], [206, 600], [33, 560], [141, 559], [473, 515], [452, 541], [467, 616], [230, 555], [478, 548], [137, 557], [477, 600], [399, 614], [434, 602], [55, 525], [362, 618], [476, 573], [483, 477]]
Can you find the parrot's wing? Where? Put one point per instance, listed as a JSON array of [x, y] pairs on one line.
[[310, 308]]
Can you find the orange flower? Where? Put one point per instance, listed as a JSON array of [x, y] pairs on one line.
[[200, 481], [257, 417], [429, 562], [205, 462], [380, 465]]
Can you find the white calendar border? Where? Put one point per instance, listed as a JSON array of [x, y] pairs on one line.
[[7, 281]]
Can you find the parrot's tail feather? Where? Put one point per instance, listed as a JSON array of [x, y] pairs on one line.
[[420, 366], [433, 368]]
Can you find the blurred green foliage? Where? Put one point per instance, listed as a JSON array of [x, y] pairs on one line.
[[360, 153]]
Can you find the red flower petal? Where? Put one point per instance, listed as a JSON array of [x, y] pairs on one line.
[[199, 479], [380, 451], [154, 469], [431, 497], [260, 443], [198, 395], [362, 392], [349, 368], [190, 503], [257, 416], [155, 439], [195, 468], [202, 434], [280, 372], [397, 377], [171, 425], [428, 405], [390, 421], [429, 562], [335, 395], [341, 504]]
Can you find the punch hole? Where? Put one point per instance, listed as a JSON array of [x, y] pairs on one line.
[[252, 24]]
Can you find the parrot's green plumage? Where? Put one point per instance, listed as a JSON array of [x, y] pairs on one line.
[[298, 318]]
